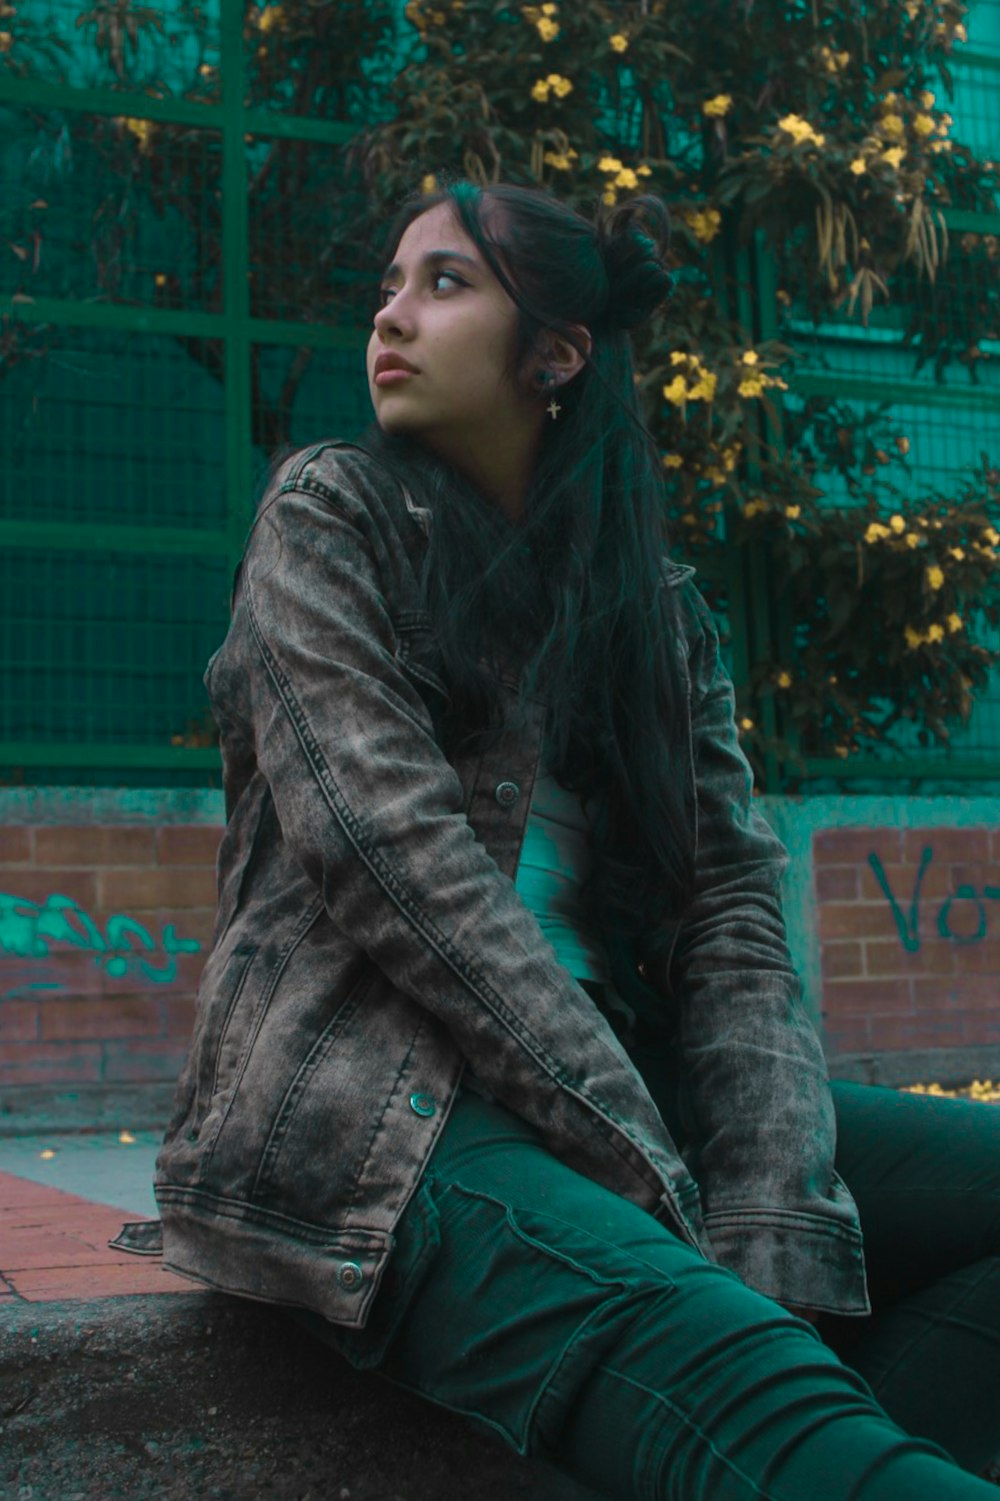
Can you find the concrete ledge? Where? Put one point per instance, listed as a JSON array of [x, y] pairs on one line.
[[26, 1109], [204, 1395], [950, 1067]]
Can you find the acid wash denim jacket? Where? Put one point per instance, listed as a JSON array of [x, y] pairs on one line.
[[369, 944]]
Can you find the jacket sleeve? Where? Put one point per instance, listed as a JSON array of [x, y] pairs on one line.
[[375, 814], [775, 1210]]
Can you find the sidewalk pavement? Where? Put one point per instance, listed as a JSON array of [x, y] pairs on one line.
[[120, 1381]]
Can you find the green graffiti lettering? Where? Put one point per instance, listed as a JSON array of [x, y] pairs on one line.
[[27, 930], [908, 927], [963, 894]]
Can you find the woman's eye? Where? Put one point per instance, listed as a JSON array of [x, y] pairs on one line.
[[384, 294], [449, 276]]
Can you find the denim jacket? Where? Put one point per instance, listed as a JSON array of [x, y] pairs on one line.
[[369, 945]]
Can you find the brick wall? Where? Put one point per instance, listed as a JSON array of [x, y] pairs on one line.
[[909, 932], [103, 934]]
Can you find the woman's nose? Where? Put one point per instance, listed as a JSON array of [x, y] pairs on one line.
[[392, 318]]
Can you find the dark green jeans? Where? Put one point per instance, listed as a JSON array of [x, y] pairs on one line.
[[570, 1323]]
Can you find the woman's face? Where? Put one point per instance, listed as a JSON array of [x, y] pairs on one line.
[[441, 351]]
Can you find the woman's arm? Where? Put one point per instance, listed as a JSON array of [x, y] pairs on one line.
[[775, 1210]]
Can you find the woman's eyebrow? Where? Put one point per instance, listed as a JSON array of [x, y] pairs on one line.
[[430, 258]]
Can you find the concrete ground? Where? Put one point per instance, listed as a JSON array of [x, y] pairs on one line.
[[120, 1380]]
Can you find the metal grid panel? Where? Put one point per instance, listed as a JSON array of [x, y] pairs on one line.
[[179, 38], [111, 427], [329, 396], [92, 217], [107, 648]]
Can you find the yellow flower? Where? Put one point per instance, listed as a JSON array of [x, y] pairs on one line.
[[752, 385], [858, 166], [678, 357], [793, 512], [784, 680], [428, 184], [626, 179], [903, 444], [729, 457], [992, 535], [609, 164], [718, 106], [672, 461], [704, 389], [935, 576], [755, 507], [558, 159], [961, 33], [609, 196], [957, 552], [926, 99], [746, 723], [954, 622], [676, 392], [644, 171], [751, 357], [913, 638], [143, 130], [843, 58], [935, 632], [547, 30], [843, 751], [560, 86], [923, 125], [891, 126], [800, 129], [876, 531], [893, 156], [160, 279], [618, 43], [550, 9], [714, 474], [540, 91], [703, 224], [897, 523], [912, 539]]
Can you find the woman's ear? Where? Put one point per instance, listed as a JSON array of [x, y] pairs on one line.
[[561, 357]]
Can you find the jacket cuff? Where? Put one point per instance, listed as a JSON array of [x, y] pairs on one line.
[[793, 1258]]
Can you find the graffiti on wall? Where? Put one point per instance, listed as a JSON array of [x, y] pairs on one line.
[[125, 945], [963, 916]]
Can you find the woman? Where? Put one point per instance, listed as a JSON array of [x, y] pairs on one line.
[[500, 1075]]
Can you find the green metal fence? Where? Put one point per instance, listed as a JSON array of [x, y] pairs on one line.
[[149, 360]]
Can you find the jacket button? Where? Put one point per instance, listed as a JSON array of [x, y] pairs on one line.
[[507, 793], [422, 1104], [350, 1276]]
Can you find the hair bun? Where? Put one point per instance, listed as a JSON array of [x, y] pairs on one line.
[[634, 238]]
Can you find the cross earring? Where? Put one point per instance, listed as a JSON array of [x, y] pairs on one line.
[[546, 378]]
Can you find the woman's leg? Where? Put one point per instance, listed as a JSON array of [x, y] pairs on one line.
[[569, 1322], [925, 1173]]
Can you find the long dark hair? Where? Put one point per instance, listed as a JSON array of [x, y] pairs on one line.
[[574, 592]]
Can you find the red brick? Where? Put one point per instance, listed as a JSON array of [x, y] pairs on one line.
[[981, 1027], [18, 1021], [866, 997], [15, 845], [853, 846], [837, 883], [890, 958], [177, 1013], [197, 923], [840, 959], [979, 959], [37, 886], [892, 1033], [94, 844], [966, 993], [188, 844], [132, 891], [935, 884], [856, 920], [850, 1034], [50, 1063], [129, 1016], [948, 844], [995, 847], [144, 1062]]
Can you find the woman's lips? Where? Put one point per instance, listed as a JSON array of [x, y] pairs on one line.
[[393, 376]]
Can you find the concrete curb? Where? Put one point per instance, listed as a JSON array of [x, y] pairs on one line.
[[199, 1394]]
